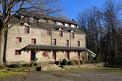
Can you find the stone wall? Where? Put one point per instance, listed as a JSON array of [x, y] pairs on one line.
[[94, 65], [41, 39]]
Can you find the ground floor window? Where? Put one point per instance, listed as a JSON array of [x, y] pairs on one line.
[[78, 55], [54, 55], [17, 52], [67, 56]]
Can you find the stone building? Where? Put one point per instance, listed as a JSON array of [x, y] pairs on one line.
[[44, 38]]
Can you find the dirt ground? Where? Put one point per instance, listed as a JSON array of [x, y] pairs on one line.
[[82, 75]]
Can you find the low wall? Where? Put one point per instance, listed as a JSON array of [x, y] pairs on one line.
[[94, 65]]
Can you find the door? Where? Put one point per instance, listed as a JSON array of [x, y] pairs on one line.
[[54, 55], [32, 55]]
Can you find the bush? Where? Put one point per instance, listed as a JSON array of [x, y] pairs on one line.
[[77, 62], [35, 64], [82, 62], [65, 62], [32, 64], [71, 62], [26, 65], [16, 65]]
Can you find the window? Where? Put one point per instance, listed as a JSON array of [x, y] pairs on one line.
[[54, 55], [26, 19], [17, 52], [67, 42], [33, 41], [18, 39], [35, 20], [69, 25], [44, 20], [78, 55], [73, 35], [48, 32], [60, 33], [78, 43], [67, 55], [54, 41], [62, 24], [26, 29], [53, 22]]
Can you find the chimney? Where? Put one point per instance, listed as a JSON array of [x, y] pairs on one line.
[[73, 20]]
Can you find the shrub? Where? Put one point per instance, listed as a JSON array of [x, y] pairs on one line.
[[16, 65], [35, 64], [26, 65], [32, 64], [71, 62], [82, 62], [77, 62], [65, 62]]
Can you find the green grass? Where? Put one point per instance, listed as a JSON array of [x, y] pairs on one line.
[[102, 68], [5, 74]]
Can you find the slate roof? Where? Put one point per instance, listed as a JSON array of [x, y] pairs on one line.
[[57, 48], [47, 26], [37, 15]]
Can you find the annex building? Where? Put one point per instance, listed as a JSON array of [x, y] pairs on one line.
[[44, 39]]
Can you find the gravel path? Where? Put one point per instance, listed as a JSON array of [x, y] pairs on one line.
[[83, 75]]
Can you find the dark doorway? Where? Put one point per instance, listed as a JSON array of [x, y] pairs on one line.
[[33, 53]]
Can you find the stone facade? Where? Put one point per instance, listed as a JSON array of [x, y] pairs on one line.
[[42, 38]]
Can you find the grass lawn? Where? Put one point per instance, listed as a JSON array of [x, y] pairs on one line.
[[5, 74]]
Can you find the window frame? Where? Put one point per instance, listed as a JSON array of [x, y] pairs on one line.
[[67, 42], [33, 41], [48, 32], [26, 29], [60, 33], [54, 42], [17, 52], [18, 39]]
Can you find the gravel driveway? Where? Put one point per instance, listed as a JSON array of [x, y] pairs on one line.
[[82, 75]]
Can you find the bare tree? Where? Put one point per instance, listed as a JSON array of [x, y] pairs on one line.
[[11, 8]]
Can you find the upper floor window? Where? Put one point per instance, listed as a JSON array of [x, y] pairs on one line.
[[48, 32], [73, 35], [17, 52], [31, 19], [26, 29], [44, 20], [69, 25], [18, 39], [78, 43], [35, 20], [33, 41], [61, 33], [26, 19], [54, 42], [67, 42], [62, 24], [53, 22]]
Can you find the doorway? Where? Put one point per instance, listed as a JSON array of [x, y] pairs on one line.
[[33, 55]]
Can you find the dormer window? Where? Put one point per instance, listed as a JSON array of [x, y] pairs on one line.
[[35, 20], [53, 22], [62, 24], [30, 19], [69, 25], [26, 19], [44, 20], [60, 33]]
